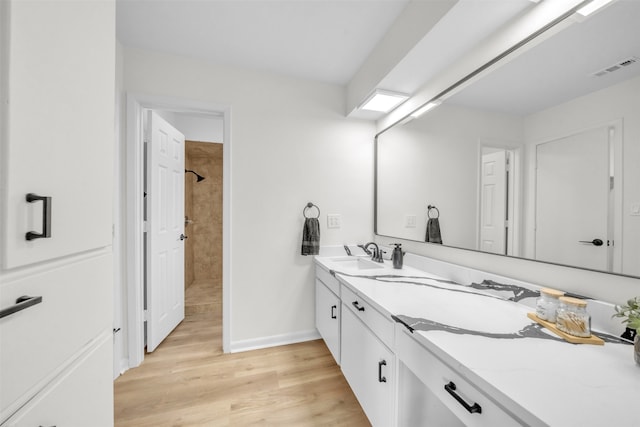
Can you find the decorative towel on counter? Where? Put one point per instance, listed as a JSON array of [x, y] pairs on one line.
[[433, 231], [311, 237]]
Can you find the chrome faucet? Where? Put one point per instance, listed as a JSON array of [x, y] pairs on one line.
[[377, 253]]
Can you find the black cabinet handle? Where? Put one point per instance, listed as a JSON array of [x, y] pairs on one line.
[[21, 303], [182, 237], [474, 409], [381, 379], [46, 217], [333, 314], [356, 304]]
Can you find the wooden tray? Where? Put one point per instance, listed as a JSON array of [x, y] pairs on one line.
[[570, 338]]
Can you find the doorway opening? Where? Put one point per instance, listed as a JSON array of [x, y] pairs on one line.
[[184, 110], [498, 200]]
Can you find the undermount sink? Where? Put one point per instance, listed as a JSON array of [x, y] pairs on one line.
[[357, 263]]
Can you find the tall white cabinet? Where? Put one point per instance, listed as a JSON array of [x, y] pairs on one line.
[[57, 84]]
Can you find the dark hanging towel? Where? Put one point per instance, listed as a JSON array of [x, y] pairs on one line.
[[311, 237], [433, 231]]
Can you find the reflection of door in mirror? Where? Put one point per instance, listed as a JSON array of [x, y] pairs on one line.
[[494, 200], [573, 195]]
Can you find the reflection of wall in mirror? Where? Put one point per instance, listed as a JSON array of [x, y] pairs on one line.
[[618, 103], [434, 160]]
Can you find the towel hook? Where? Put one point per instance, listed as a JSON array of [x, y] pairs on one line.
[[309, 206], [429, 211]]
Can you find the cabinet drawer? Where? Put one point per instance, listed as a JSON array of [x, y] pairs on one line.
[[325, 277], [39, 340], [380, 324], [79, 396], [435, 375]]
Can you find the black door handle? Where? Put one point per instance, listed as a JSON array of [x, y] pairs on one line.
[[46, 217], [333, 314], [474, 409], [182, 237], [381, 379], [21, 303], [594, 242], [356, 304]]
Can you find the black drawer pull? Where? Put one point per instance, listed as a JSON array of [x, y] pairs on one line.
[[381, 379], [333, 313], [356, 304], [474, 409], [46, 217], [21, 303]]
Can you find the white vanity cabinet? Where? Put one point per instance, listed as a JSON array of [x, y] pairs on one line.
[[367, 363], [432, 393]]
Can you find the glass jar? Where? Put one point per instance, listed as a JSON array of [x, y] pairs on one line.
[[547, 304], [572, 317]]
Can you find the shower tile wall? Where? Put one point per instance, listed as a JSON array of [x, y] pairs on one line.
[[203, 205]]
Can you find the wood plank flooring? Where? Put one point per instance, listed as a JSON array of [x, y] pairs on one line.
[[188, 381]]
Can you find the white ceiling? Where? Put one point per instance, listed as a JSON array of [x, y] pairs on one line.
[[330, 40], [321, 40]]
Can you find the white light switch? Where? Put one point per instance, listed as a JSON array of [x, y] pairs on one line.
[[410, 221], [334, 221], [635, 209]]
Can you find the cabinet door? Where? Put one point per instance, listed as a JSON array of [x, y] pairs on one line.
[[369, 367], [58, 126], [328, 318]]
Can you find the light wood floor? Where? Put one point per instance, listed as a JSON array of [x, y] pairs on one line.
[[188, 381]]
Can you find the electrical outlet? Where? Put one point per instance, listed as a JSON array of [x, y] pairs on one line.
[[410, 221], [635, 209], [334, 221]]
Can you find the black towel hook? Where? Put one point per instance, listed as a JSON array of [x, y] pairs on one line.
[[429, 211], [309, 206]]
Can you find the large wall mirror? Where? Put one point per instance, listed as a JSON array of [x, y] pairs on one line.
[[540, 158]]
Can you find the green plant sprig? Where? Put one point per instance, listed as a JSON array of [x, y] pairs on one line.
[[630, 313]]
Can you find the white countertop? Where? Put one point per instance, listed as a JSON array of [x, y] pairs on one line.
[[488, 338]]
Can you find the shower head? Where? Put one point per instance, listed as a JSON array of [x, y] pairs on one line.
[[198, 176]]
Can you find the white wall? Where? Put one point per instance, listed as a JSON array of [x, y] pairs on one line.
[[290, 144]]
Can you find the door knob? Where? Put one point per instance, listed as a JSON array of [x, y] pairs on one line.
[[594, 242], [182, 237]]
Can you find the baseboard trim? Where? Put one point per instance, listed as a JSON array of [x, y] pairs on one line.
[[274, 341]]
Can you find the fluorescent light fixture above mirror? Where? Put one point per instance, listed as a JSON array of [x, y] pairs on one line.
[[383, 101], [429, 106], [592, 7]]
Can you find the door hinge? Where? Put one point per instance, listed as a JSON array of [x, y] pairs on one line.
[[145, 315], [611, 182], [145, 226], [507, 223]]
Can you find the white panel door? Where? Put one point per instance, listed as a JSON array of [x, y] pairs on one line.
[[165, 229], [572, 199], [493, 202]]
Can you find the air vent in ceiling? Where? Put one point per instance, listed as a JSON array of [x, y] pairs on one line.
[[617, 66]]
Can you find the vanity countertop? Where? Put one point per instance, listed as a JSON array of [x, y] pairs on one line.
[[482, 331]]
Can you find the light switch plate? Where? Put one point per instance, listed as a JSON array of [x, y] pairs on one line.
[[635, 209], [334, 221], [410, 221]]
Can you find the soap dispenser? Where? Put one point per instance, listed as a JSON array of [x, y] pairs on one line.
[[396, 256]]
